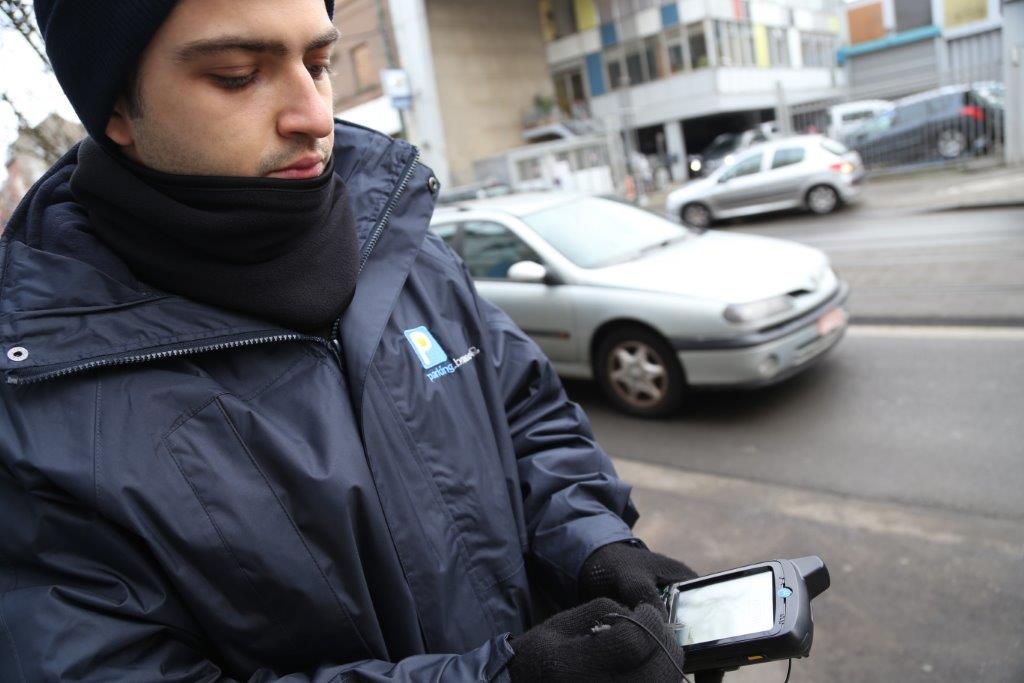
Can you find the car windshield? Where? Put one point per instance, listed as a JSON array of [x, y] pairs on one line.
[[594, 232], [723, 144]]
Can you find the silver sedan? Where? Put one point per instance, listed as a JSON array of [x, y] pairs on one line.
[[807, 171], [646, 307]]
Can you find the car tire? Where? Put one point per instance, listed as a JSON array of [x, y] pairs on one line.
[[696, 215], [822, 199], [639, 373], [951, 144]]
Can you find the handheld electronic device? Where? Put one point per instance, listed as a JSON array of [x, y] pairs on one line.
[[754, 614]]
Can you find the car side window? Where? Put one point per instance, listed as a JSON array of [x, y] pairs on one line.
[[746, 166], [788, 156], [449, 232], [490, 249]]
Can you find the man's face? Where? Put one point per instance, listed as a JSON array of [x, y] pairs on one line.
[[234, 88]]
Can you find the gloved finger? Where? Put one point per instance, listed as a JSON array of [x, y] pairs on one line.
[[655, 622], [622, 645], [668, 570], [642, 592], [579, 621]]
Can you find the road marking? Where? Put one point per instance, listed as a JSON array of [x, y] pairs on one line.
[[937, 332]]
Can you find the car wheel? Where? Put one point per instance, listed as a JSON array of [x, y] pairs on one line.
[[639, 372], [822, 199], [951, 144], [696, 215]]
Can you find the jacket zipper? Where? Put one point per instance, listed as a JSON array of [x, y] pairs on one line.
[[168, 353], [331, 343]]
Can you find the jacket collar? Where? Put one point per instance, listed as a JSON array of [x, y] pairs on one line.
[[68, 304]]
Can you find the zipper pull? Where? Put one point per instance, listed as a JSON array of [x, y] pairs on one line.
[[335, 346]]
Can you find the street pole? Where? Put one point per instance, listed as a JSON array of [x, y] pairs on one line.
[[1013, 80], [389, 55]]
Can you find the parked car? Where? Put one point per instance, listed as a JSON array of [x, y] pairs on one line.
[[941, 124], [806, 171], [648, 308], [724, 147], [849, 116]]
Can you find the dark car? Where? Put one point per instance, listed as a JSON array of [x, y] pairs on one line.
[[942, 124], [723, 148]]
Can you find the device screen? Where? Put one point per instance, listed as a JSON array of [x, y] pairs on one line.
[[725, 609]]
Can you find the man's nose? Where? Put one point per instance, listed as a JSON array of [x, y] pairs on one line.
[[307, 110]]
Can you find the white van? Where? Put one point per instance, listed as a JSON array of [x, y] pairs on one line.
[[844, 118]]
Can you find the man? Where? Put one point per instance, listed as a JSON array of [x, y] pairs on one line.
[[256, 423]]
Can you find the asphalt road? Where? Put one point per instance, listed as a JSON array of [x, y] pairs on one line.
[[899, 458], [956, 266]]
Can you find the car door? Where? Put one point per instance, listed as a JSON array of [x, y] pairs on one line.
[[543, 311], [739, 186], [786, 176]]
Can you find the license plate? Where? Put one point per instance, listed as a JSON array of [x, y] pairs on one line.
[[831, 321]]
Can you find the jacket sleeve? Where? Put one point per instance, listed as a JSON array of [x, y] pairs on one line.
[[573, 500], [80, 599]]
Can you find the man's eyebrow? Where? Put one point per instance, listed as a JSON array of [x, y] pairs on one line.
[[210, 46]]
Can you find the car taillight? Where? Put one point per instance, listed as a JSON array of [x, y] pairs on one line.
[[842, 167], [972, 112]]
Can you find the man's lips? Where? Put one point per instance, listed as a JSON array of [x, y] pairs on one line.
[[307, 167]]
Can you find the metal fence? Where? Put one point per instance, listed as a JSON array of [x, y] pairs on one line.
[[934, 118]]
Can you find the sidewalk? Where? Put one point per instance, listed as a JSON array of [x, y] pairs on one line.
[[927, 190], [946, 189]]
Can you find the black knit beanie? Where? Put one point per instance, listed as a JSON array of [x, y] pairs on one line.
[[95, 45]]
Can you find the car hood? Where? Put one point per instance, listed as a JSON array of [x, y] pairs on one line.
[[719, 266]]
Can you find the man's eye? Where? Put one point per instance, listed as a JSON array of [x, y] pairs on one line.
[[318, 71], [234, 82]]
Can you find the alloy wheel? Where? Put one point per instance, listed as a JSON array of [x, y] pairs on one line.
[[951, 144], [638, 374], [822, 199], [696, 216]]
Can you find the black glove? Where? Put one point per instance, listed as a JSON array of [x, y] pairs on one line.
[[630, 573], [585, 643]]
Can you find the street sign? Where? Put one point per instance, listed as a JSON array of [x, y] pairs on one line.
[[397, 88]]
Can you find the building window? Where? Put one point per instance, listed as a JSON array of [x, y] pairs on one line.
[[735, 43], [676, 58], [569, 91], [615, 79], [698, 46], [362, 66], [818, 49], [778, 47], [564, 18]]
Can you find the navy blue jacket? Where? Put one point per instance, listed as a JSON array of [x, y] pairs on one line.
[[189, 494]]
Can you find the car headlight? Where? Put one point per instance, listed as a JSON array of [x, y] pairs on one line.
[[757, 310], [729, 158], [695, 165]]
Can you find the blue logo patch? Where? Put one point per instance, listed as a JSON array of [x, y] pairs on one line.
[[426, 347]]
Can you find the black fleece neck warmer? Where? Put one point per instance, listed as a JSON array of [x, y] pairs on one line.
[[281, 250]]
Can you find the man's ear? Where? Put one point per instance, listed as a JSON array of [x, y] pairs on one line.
[[119, 127]]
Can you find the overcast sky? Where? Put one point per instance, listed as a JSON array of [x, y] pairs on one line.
[[35, 91]]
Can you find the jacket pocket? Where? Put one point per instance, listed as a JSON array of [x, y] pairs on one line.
[[268, 591]]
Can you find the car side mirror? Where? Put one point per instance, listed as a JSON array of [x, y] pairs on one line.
[[528, 271]]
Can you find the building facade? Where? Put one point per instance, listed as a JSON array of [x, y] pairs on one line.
[[679, 73], [365, 48], [898, 47]]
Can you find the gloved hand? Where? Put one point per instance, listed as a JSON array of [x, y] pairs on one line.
[[631, 574], [567, 647]]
